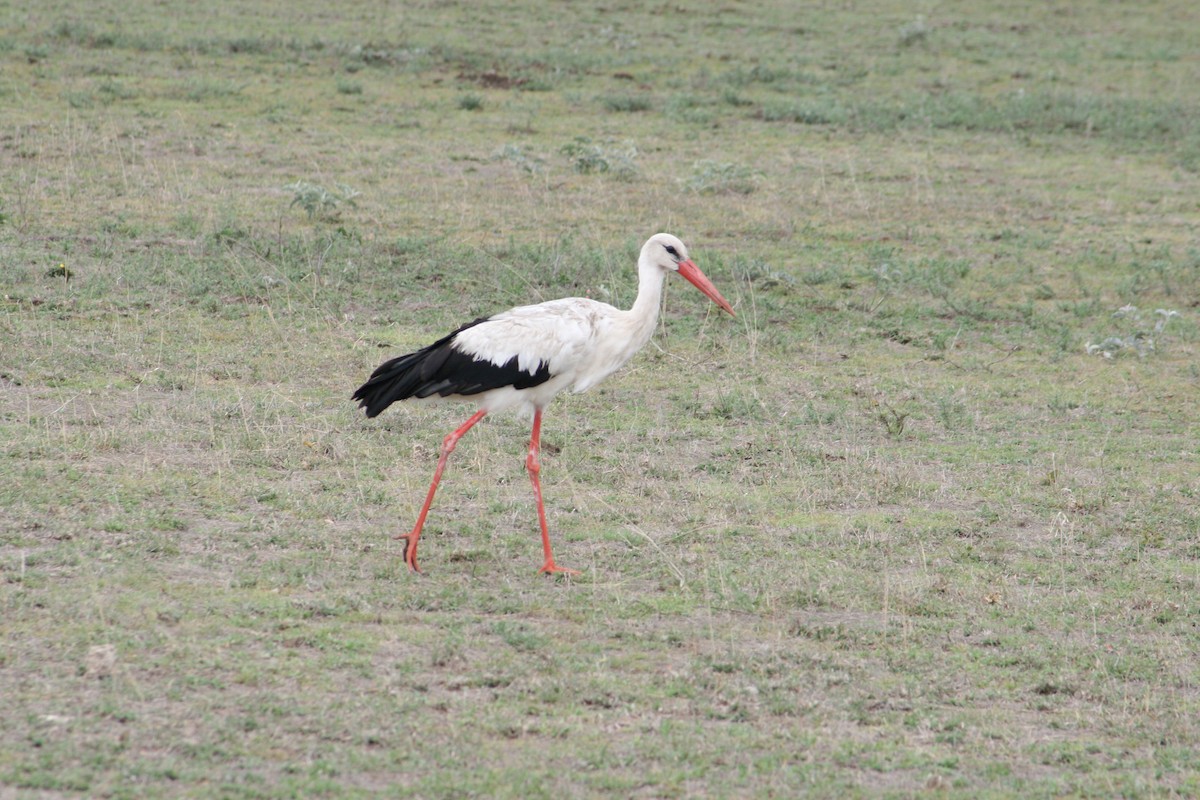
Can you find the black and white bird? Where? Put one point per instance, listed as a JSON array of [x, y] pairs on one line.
[[523, 357]]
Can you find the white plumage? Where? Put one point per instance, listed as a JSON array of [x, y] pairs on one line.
[[525, 356]]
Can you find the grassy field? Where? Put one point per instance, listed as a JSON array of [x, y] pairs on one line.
[[924, 518]]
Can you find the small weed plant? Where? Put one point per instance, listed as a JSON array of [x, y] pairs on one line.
[[317, 201], [717, 177], [626, 104], [521, 158], [1138, 336], [470, 102], [587, 157]]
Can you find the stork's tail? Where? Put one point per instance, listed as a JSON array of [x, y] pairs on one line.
[[394, 380], [443, 370], [419, 374]]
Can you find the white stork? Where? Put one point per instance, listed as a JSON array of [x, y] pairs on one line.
[[525, 356]]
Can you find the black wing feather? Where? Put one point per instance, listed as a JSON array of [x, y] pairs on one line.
[[444, 370]]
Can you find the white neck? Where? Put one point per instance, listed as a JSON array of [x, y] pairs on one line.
[[644, 315]]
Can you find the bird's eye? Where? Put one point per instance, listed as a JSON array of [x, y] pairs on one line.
[[671, 249]]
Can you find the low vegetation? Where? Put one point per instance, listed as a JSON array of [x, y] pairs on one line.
[[922, 518]]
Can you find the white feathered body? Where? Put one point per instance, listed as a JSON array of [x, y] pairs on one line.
[[525, 356], [580, 341]]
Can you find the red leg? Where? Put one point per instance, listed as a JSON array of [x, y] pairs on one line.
[[534, 466], [410, 551]]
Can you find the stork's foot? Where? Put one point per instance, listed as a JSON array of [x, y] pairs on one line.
[[549, 568], [410, 550]]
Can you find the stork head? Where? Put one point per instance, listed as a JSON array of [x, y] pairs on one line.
[[668, 253]]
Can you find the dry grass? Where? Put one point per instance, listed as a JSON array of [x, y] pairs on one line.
[[891, 530]]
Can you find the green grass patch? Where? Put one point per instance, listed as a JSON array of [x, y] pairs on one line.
[[918, 520]]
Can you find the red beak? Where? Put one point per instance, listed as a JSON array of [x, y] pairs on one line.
[[698, 279]]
